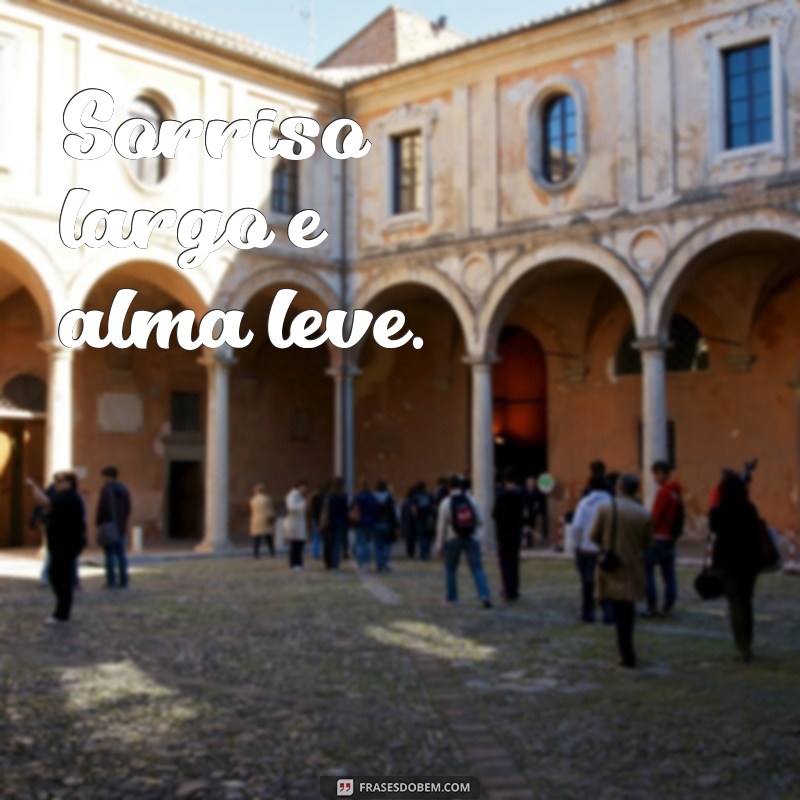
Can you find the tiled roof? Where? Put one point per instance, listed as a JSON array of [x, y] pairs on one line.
[[238, 44]]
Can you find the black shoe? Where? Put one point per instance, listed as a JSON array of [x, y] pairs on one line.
[[487, 604]]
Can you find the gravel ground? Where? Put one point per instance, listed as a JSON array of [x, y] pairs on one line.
[[230, 678]]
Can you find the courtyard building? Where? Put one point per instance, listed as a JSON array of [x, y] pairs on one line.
[[592, 220]]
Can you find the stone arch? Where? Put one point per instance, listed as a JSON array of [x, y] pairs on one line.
[[37, 272], [676, 273], [241, 292], [430, 278], [190, 287], [496, 303]]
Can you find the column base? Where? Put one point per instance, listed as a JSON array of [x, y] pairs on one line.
[[205, 546]]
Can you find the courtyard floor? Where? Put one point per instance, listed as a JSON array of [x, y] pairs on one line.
[[232, 678]]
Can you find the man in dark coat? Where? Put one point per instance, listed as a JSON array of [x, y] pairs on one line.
[[508, 513], [66, 537], [114, 506]]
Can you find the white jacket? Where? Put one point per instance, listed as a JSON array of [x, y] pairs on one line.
[[296, 527], [582, 522]]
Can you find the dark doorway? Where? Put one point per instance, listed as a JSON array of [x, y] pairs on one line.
[[519, 422], [21, 455], [185, 500]]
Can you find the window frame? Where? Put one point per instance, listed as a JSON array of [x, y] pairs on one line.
[[133, 166], [562, 115], [534, 125], [292, 168], [395, 184], [720, 44]]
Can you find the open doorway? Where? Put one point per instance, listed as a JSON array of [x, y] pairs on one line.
[[520, 403], [185, 515]]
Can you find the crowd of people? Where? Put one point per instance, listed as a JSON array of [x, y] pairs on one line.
[[619, 546]]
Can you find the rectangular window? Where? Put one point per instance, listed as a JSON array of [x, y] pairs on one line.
[[748, 95], [285, 195], [185, 412], [407, 172]]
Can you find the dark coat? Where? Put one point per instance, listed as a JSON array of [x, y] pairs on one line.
[[114, 505], [66, 525], [736, 545], [509, 509]]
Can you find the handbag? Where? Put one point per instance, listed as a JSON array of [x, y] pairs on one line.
[[708, 584], [354, 517], [610, 560], [769, 548], [108, 532]]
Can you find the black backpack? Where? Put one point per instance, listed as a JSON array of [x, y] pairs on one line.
[[462, 515]]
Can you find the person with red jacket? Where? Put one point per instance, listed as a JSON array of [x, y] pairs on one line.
[[667, 519]]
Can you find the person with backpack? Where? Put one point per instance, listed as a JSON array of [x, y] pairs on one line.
[[385, 526], [509, 509], [668, 518], [457, 526]]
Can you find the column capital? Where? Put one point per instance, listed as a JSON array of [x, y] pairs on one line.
[[343, 371], [55, 349], [651, 344], [224, 357], [486, 360]]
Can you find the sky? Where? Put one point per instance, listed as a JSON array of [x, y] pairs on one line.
[[285, 25]]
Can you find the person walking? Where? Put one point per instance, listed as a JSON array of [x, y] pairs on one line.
[[622, 530], [334, 524], [363, 512], [385, 525], [296, 523], [508, 514], [458, 521], [262, 520], [586, 551], [66, 538], [407, 526], [114, 511], [667, 518], [735, 523], [422, 516]]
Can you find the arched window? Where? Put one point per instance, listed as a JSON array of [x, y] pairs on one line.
[[26, 392], [559, 138], [285, 189], [149, 171], [688, 353]]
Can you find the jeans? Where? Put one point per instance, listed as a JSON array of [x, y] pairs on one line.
[[60, 575], [624, 617], [334, 545], [364, 536], [423, 538], [508, 544], [661, 555], [115, 556], [296, 552], [586, 564], [316, 543], [383, 546], [452, 555], [739, 587]]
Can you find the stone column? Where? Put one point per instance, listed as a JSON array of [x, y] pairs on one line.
[[655, 445], [59, 425], [215, 536], [344, 456], [482, 443]]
